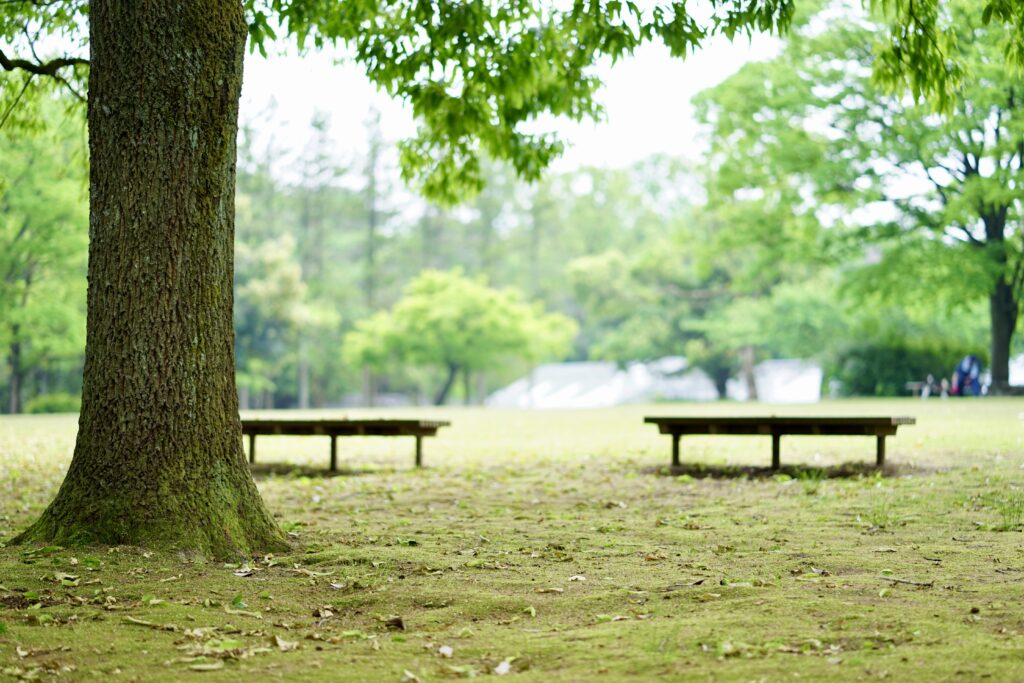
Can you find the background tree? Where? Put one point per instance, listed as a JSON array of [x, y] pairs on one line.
[[460, 325], [270, 298], [936, 196], [43, 222]]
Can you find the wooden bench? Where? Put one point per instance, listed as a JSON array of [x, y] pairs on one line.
[[776, 427], [343, 427]]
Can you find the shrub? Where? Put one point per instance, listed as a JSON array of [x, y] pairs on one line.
[[884, 370], [53, 403]]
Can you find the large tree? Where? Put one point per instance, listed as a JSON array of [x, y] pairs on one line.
[[940, 199], [158, 459]]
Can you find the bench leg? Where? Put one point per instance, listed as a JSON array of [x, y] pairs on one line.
[[252, 448], [776, 447], [880, 453], [419, 451], [675, 449], [334, 453]]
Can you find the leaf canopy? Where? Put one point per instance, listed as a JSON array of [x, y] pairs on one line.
[[478, 74]]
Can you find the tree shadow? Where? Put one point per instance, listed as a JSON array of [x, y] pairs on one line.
[[290, 470], [845, 470]]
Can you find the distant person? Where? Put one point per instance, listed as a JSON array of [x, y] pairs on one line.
[[929, 387], [944, 388], [967, 377]]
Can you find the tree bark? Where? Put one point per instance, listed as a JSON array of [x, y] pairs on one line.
[[720, 376], [303, 377], [14, 404], [442, 395], [747, 368], [159, 460], [369, 388], [1003, 308], [1003, 304], [372, 220]]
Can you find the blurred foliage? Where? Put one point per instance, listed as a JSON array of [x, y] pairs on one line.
[[43, 241], [880, 370], [56, 402], [765, 248], [477, 73], [459, 324], [906, 204]]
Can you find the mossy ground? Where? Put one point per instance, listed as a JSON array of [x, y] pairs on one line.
[[548, 544]]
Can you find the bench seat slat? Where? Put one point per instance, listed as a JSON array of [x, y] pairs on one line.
[[341, 427], [777, 426]]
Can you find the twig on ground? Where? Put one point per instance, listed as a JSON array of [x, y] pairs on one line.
[[923, 584]]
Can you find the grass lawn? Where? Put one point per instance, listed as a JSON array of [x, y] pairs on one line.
[[548, 546]]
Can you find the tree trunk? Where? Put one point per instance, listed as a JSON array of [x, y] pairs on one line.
[[369, 388], [303, 378], [1003, 304], [747, 366], [1003, 308], [159, 461], [534, 257], [14, 404], [442, 395], [372, 219], [720, 376], [481, 388]]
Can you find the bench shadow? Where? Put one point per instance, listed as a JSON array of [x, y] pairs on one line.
[[845, 470], [283, 469]]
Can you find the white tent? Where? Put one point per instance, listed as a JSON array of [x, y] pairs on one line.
[[782, 381], [1017, 371], [599, 384]]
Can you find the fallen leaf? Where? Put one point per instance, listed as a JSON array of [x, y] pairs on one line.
[[285, 645], [683, 584], [506, 665], [244, 613], [149, 624], [305, 572]]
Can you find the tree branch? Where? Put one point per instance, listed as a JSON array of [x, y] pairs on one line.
[[37, 3], [17, 99], [967, 233], [938, 186], [1018, 276], [42, 69]]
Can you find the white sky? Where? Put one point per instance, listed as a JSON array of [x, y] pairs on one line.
[[646, 99]]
